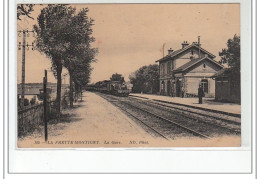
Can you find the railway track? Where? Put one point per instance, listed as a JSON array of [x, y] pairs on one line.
[[145, 124], [172, 122], [205, 127], [188, 127], [232, 126], [153, 122]]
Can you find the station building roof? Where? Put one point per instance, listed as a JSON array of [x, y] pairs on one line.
[[194, 62], [177, 52]]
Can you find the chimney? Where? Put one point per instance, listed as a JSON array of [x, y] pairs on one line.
[[170, 51], [196, 43], [184, 44]]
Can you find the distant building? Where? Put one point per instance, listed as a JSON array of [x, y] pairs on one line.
[[183, 70], [227, 82]]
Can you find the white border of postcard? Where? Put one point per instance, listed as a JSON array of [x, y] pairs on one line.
[[137, 160]]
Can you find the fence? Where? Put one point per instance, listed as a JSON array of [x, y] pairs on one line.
[[32, 117]]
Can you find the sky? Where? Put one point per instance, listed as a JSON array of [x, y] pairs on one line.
[[129, 36]]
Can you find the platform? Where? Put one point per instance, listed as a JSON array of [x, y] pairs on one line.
[[207, 104]]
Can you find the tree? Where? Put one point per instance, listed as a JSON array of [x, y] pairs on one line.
[[146, 79], [117, 77], [81, 77], [51, 34], [138, 80], [79, 54], [152, 78], [231, 54], [79, 71], [24, 10], [65, 37]]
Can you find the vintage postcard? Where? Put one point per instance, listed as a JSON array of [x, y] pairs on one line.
[[128, 75]]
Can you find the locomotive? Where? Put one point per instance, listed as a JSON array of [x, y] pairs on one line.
[[116, 88]]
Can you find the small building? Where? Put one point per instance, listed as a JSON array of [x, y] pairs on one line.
[[183, 70], [227, 85]]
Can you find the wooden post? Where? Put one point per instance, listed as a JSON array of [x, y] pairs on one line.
[[45, 105]]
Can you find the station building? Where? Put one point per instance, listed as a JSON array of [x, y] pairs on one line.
[[183, 70]]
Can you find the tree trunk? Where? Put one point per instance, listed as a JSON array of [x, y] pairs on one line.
[[58, 97], [76, 92], [71, 91]]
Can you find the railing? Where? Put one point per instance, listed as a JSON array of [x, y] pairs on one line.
[[31, 118]]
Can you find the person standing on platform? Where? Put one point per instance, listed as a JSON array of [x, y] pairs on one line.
[[200, 94], [182, 92]]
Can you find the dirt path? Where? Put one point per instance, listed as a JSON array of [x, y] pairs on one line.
[[93, 123]]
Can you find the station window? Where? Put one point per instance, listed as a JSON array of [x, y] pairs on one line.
[[204, 65]]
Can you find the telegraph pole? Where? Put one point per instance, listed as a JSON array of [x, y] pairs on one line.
[[25, 32], [23, 69]]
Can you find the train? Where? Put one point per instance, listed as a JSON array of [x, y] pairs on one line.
[[116, 88]]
